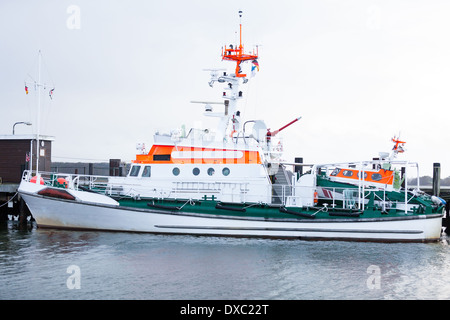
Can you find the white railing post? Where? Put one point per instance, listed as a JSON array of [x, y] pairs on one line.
[[406, 187]]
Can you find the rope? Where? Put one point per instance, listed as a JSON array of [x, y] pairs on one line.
[[190, 201], [9, 200]]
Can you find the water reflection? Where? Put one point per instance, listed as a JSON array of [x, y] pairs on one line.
[[114, 265]]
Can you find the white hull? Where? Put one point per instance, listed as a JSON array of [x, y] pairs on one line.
[[58, 213]]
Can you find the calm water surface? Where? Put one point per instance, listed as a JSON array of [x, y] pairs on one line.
[[55, 264]]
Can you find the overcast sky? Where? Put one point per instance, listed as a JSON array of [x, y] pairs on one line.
[[358, 72]]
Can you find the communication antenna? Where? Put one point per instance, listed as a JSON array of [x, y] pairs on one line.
[[237, 54]]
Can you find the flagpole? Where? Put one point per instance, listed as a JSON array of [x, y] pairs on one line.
[[31, 155], [38, 116]]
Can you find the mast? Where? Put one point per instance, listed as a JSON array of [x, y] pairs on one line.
[[232, 93], [240, 31], [237, 54], [38, 116], [38, 86]]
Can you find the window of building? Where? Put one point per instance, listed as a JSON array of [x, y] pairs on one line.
[[176, 171], [225, 171], [211, 171], [196, 171]]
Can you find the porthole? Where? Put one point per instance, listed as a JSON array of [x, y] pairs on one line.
[[196, 171], [376, 177], [225, 171], [347, 173], [210, 171], [365, 175], [176, 171]]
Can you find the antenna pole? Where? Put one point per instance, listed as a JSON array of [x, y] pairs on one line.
[[237, 54], [240, 31]]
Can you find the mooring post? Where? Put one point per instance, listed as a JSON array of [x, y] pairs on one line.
[[22, 212], [3, 212], [403, 176], [436, 179]]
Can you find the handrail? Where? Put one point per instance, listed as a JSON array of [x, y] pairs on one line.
[[286, 195]]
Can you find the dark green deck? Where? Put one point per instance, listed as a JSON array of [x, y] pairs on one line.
[[265, 211]]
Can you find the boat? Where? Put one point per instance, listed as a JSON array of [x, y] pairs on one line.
[[231, 181]]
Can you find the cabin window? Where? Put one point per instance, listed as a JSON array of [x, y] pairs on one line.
[[176, 171], [335, 172], [376, 177], [347, 173], [196, 171], [147, 171], [135, 171], [225, 171], [161, 157], [210, 171]]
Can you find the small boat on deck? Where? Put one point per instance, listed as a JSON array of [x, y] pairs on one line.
[[230, 181]]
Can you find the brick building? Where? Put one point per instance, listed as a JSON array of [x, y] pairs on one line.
[[15, 156]]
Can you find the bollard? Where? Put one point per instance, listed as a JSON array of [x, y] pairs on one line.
[[22, 212], [436, 179]]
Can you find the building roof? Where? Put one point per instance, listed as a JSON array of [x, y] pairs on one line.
[[26, 137]]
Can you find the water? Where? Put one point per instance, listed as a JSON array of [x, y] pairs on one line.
[[55, 264]]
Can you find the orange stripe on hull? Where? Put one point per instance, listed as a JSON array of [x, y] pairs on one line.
[[182, 155]]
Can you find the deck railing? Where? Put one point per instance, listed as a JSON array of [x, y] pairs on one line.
[[282, 195]]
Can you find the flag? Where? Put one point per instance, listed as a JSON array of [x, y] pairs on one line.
[[255, 66], [26, 89], [27, 157], [50, 94]]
